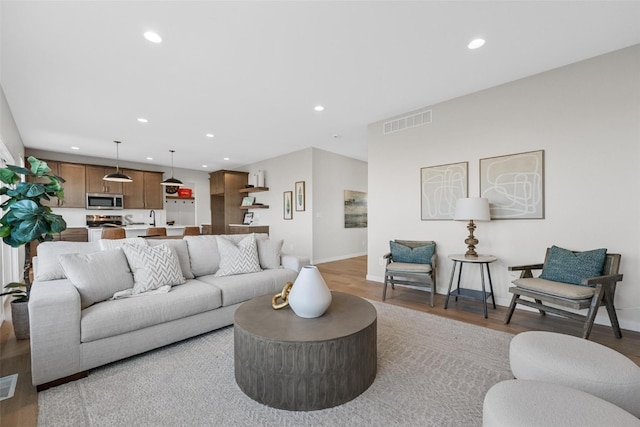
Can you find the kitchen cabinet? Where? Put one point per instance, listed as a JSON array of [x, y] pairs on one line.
[[248, 229], [74, 185], [226, 199], [95, 183], [145, 192]]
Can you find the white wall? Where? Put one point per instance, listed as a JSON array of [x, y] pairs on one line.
[[332, 174], [585, 117], [317, 232]]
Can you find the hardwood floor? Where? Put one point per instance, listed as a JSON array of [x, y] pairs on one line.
[[344, 276]]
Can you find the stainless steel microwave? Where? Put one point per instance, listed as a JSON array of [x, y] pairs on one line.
[[104, 201]]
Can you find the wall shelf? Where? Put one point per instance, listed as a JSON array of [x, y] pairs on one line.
[[255, 207], [179, 198], [253, 189]]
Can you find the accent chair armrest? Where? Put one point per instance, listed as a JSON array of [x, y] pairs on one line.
[[526, 269], [609, 279], [293, 262]]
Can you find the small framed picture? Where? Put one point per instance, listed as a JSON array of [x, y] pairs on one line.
[[248, 218], [287, 205], [248, 201], [299, 196]]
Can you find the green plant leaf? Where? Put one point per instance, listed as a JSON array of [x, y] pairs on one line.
[[30, 189], [24, 209], [8, 176], [38, 167], [5, 230], [56, 222], [30, 229]]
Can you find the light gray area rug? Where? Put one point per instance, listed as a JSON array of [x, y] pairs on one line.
[[432, 371]]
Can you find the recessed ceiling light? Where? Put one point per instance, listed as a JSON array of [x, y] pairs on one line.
[[149, 158], [318, 108], [153, 37], [209, 135], [143, 120], [75, 148], [476, 43], [205, 166], [226, 158]]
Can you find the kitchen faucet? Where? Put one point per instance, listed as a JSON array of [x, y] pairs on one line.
[[153, 214]]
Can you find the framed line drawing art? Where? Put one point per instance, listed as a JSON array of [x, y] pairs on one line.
[[440, 187], [299, 196], [514, 185], [287, 205]]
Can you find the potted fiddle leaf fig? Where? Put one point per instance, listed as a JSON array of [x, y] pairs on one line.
[[25, 220]]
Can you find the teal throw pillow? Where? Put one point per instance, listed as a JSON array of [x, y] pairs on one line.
[[563, 265], [419, 255]]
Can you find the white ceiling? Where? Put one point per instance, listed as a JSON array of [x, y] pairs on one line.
[[80, 73]]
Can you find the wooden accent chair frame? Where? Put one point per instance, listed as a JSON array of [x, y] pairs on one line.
[[593, 293], [421, 275]]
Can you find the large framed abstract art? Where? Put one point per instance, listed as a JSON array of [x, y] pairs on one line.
[[441, 186]]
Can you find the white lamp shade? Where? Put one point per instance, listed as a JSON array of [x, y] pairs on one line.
[[472, 208]]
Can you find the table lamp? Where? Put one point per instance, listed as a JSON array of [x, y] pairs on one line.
[[472, 209]]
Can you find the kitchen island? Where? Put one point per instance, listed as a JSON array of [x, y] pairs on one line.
[[137, 230]]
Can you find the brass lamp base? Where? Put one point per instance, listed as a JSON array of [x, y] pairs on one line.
[[471, 241]]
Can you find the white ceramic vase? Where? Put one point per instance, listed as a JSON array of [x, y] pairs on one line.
[[309, 297]]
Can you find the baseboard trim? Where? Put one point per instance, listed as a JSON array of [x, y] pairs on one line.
[[61, 381]]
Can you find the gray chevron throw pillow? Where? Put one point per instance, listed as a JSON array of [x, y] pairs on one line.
[[153, 267], [237, 258]]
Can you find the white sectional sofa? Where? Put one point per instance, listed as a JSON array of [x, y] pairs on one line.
[[76, 325]]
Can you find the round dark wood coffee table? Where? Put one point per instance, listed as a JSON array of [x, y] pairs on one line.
[[289, 362]]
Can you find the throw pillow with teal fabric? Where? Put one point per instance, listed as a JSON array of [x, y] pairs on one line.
[[419, 255], [563, 265]]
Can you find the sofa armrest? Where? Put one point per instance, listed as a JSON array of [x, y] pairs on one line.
[[293, 262], [54, 321]]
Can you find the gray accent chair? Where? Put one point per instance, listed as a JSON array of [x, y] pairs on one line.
[[593, 293], [421, 275]]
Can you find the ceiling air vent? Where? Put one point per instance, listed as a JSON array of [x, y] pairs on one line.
[[407, 122]]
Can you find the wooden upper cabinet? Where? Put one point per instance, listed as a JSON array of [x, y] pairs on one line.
[[216, 182], [74, 185], [145, 192], [153, 190], [95, 183]]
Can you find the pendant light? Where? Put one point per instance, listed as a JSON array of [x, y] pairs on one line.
[[172, 181], [117, 176]]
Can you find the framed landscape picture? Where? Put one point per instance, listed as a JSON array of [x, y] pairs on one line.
[[440, 187], [287, 204], [299, 196], [355, 209], [514, 185]]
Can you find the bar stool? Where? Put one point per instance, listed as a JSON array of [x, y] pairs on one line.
[[156, 231], [113, 233], [191, 231]]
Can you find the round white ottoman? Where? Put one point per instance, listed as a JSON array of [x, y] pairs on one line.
[[525, 403], [577, 363]]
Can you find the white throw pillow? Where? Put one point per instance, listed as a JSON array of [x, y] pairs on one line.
[[269, 253], [48, 252], [237, 258], [97, 275], [106, 244], [179, 246], [153, 267]]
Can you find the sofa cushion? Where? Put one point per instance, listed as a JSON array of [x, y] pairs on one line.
[[240, 258], [179, 246], [204, 254], [110, 318], [97, 275], [563, 265], [243, 287], [117, 243], [153, 267], [48, 266], [269, 251], [417, 255], [549, 287]]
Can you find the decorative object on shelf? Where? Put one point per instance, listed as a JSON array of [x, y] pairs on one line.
[[309, 297], [117, 176], [26, 221], [254, 178], [299, 196], [287, 204], [185, 192], [260, 178], [282, 296], [248, 218], [171, 189], [514, 185], [172, 181], [355, 209], [472, 209], [440, 187], [248, 200]]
